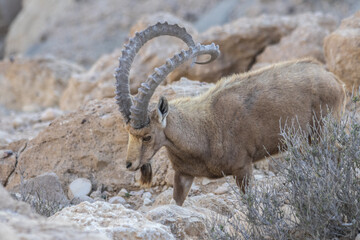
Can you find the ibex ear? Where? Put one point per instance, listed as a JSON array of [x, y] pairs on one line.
[[163, 111]]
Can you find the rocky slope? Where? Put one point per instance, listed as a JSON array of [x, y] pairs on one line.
[[62, 139]]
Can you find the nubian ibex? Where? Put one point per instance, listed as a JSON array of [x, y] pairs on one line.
[[225, 130]]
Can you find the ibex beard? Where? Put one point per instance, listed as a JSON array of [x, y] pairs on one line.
[[228, 128]]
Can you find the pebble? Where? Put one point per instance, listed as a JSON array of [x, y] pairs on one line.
[[222, 189], [49, 114], [137, 193], [117, 199], [80, 199], [258, 177], [79, 187], [147, 202], [205, 181], [146, 195], [123, 192], [17, 122]]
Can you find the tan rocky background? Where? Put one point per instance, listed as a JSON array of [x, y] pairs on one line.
[[62, 139]]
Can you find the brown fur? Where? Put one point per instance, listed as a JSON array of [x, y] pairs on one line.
[[146, 175], [236, 123]]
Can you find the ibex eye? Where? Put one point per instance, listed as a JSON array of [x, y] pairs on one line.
[[147, 138]]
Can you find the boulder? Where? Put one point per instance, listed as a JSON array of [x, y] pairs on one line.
[[18, 221], [185, 223], [92, 142], [342, 52], [240, 42], [82, 31], [32, 84], [114, 220], [7, 165], [306, 40]]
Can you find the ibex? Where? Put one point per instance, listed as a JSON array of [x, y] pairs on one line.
[[225, 130]]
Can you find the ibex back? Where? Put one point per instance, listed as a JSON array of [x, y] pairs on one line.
[[225, 130]]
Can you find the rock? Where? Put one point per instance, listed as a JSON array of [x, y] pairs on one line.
[[114, 220], [18, 221], [164, 198], [146, 195], [222, 189], [80, 199], [205, 181], [240, 42], [306, 40], [79, 187], [50, 114], [92, 143], [117, 199], [62, 28], [7, 165], [221, 204], [147, 201], [44, 193], [185, 223], [123, 192], [7, 203], [32, 84], [342, 52]]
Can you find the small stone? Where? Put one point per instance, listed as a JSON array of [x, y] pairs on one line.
[[123, 192], [258, 177], [50, 114], [146, 195], [117, 200], [222, 189], [79, 187], [5, 154], [137, 193], [205, 181], [147, 202], [96, 194], [80, 199], [17, 122]]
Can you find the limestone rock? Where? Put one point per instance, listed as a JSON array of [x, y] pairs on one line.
[[222, 189], [79, 187], [117, 199], [87, 28], [342, 52], [80, 199], [90, 143], [7, 165], [185, 223], [114, 220], [32, 84], [306, 40], [79, 145], [18, 221]]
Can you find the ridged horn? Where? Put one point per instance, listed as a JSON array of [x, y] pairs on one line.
[[123, 98], [139, 117]]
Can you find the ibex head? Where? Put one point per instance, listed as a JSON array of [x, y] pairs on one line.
[[145, 127]]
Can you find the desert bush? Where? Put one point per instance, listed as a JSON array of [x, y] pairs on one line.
[[318, 196], [44, 197]]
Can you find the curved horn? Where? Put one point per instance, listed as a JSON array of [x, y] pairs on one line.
[[123, 98], [138, 110]]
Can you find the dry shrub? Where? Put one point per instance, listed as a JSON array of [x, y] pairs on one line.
[[319, 193]]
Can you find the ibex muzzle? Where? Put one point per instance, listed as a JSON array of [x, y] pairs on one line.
[[225, 130]]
